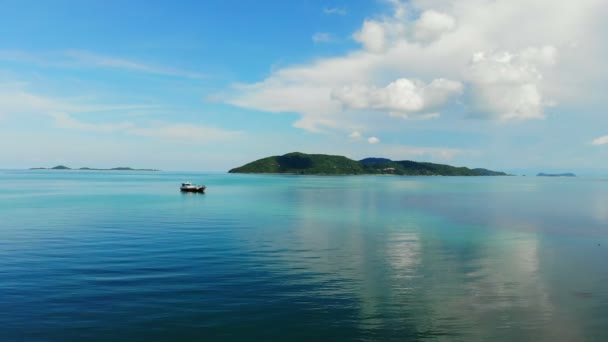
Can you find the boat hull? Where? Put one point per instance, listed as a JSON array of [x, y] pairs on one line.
[[200, 190]]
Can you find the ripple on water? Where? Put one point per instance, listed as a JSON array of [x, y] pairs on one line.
[[301, 258]]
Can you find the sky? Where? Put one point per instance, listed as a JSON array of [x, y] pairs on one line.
[[511, 85]]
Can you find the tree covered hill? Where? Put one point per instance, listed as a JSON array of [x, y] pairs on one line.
[[323, 164]]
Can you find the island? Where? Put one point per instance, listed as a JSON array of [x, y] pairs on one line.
[[322, 164], [63, 167], [568, 174]]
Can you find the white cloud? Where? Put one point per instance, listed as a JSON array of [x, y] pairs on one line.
[[508, 85], [415, 116], [334, 10], [372, 36], [515, 78], [400, 9], [322, 37], [87, 59], [401, 96], [405, 152], [15, 99], [314, 101], [163, 130], [601, 140], [397, 151], [185, 132], [65, 121], [432, 24], [355, 135]]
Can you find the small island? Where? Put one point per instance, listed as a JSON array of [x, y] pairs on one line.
[[568, 174], [63, 167], [323, 164]]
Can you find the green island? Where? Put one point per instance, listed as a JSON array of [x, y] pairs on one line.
[[63, 167], [323, 164]]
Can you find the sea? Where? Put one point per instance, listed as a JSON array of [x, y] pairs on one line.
[[124, 256]]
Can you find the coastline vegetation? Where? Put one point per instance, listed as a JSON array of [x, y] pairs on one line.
[[322, 164]]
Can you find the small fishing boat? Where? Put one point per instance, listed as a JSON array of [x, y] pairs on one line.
[[189, 187]]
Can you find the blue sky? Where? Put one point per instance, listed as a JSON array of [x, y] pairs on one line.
[[208, 85]]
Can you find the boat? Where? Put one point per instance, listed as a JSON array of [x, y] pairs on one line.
[[189, 187]]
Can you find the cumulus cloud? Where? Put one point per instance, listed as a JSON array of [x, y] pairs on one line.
[[432, 24], [357, 136], [401, 96], [508, 85], [373, 140], [500, 54], [379, 35], [276, 96], [372, 36], [601, 140]]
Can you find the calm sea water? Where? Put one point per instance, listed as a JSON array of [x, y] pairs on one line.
[[125, 256]]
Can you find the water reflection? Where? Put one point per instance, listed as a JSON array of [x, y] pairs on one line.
[[412, 274], [306, 258], [600, 207]]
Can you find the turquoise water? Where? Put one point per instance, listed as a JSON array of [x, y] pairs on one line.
[[126, 256]]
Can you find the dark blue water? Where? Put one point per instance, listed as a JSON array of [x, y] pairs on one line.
[[124, 256]]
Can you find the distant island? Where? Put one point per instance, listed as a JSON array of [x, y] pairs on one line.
[[62, 167], [322, 164], [556, 174]]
